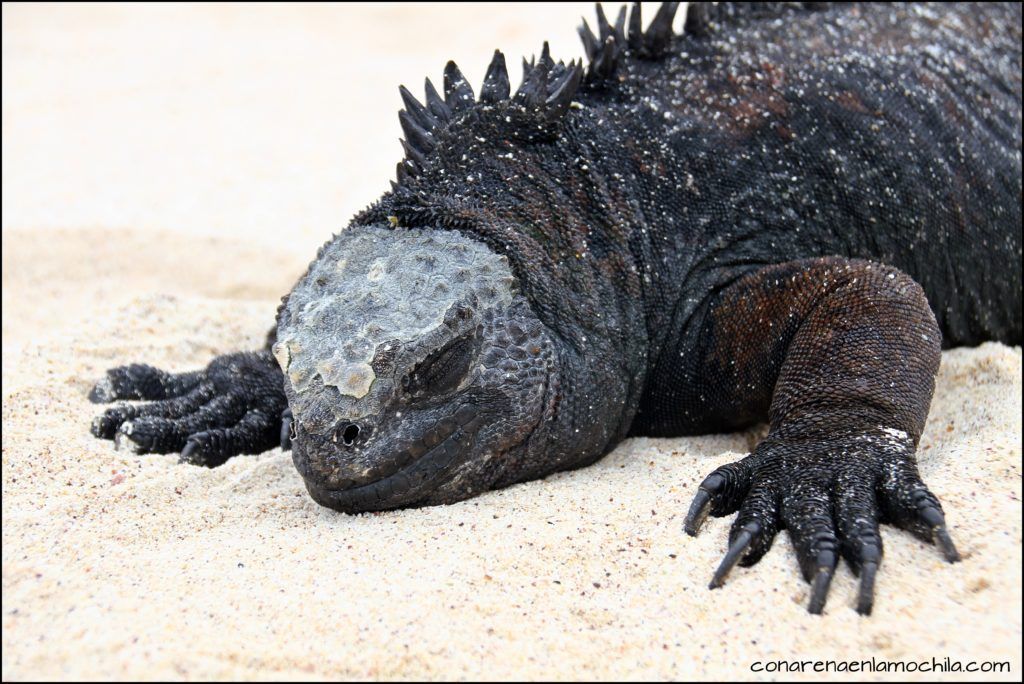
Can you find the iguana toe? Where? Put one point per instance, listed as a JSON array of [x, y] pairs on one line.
[[142, 381]]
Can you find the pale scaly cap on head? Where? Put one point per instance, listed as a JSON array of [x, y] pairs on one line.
[[375, 288]]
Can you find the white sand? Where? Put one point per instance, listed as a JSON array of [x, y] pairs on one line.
[[167, 172]]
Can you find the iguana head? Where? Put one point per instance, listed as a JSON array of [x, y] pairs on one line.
[[414, 369]]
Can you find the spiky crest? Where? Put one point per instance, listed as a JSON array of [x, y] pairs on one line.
[[547, 88], [543, 98], [609, 47]]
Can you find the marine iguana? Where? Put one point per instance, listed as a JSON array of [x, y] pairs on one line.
[[694, 231]]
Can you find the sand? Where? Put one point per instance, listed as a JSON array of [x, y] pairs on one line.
[[167, 172]]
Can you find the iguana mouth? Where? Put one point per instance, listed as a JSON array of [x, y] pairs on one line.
[[417, 472]]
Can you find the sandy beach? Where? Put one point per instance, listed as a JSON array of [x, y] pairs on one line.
[[168, 171]]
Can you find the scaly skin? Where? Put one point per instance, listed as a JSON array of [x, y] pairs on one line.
[[780, 214]]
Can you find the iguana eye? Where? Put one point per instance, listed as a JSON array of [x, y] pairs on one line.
[[443, 369]]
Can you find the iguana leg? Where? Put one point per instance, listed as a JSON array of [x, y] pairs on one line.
[[234, 406], [851, 349]]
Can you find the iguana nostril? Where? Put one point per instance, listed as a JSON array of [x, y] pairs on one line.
[[348, 436]]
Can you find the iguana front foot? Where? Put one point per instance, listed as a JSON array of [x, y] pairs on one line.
[[848, 350], [831, 495], [232, 407]]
